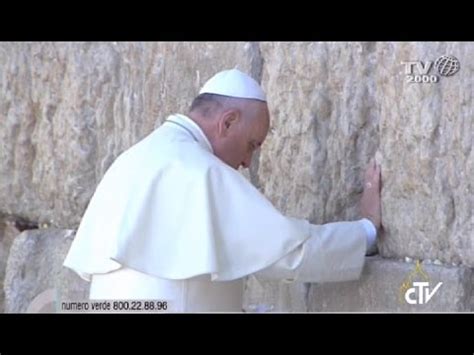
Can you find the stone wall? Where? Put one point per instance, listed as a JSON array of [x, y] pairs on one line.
[[336, 104], [35, 268], [68, 109]]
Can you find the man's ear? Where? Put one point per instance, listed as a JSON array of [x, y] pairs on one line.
[[227, 121]]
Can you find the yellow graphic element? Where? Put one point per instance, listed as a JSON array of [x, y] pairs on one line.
[[412, 276]]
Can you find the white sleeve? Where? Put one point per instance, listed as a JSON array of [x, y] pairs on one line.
[[334, 252], [371, 233]]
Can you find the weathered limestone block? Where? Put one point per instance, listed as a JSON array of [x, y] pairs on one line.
[[262, 296], [324, 127], [68, 109], [35, 269], [8, 232], [381, 289], [426, 139]]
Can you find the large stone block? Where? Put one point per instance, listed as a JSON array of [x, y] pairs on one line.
[[262, 296], [335, 105], [8, 232], [384, 283], [323, 127], [426, 139], [68, 109], [35, 278], [381, 288]]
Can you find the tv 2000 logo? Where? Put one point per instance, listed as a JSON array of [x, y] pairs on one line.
[[419, 72]]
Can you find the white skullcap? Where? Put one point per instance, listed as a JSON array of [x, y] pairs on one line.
[[234, 83]]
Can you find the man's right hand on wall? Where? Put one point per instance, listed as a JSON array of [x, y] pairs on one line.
[[370, 204]]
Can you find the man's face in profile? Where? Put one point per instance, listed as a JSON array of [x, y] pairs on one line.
[[243, 134]]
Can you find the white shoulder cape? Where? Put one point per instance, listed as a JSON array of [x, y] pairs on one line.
[[168, 207]]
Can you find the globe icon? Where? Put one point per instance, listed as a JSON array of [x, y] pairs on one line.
[[447, 65]]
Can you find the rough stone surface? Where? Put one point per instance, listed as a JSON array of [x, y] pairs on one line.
[[35, 266], [8, 232], [335, 105], [380, 289], [68, 109], [263, 296], [426, 139]]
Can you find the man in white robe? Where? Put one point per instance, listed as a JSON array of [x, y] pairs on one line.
[[173, 219]]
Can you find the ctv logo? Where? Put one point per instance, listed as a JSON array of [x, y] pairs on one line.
[[417, 292], [421, 72], [423, 297]]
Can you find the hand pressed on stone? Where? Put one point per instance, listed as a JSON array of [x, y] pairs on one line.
[[370, 204]]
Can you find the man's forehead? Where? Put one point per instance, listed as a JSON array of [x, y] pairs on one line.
[[259, 135], [259, 116]]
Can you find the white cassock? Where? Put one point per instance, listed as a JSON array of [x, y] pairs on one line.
[[170, 221]]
